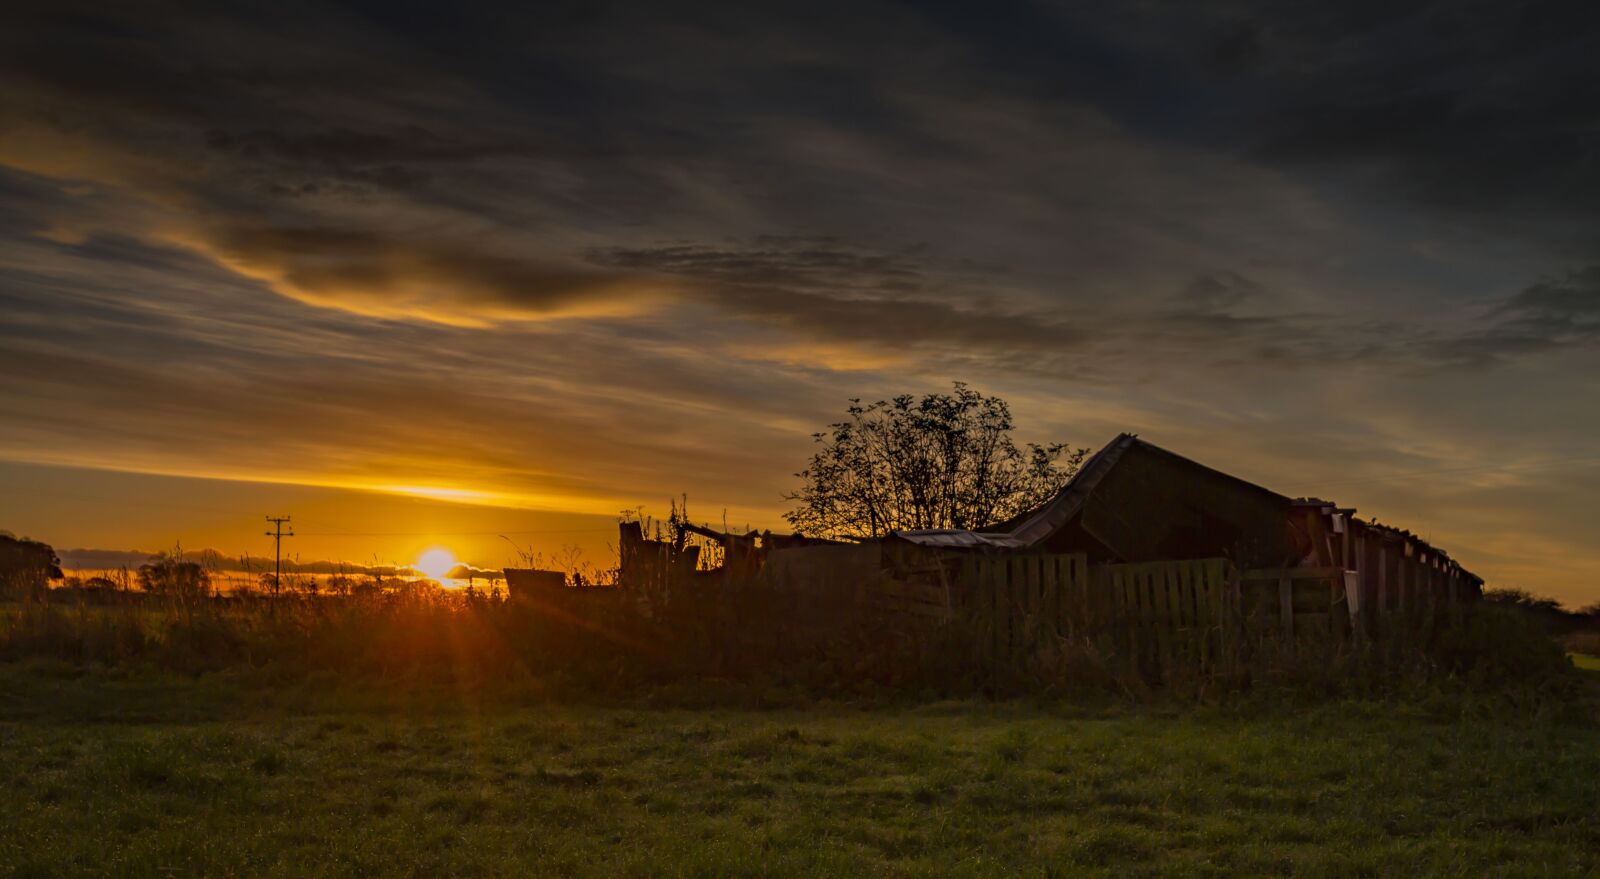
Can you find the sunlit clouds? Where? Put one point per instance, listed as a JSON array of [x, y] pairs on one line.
[[577, 263]]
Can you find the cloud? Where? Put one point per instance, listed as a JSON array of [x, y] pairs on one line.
[[372, 274], [834, 292], [1547, 317], [86, 561], [625, 251], [1473, 113], [1561, 311]]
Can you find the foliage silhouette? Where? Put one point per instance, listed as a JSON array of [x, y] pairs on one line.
[[939, 461]]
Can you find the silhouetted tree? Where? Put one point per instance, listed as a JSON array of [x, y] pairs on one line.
[[1545, 612], [170, 574], [941, 461], [26, 566]]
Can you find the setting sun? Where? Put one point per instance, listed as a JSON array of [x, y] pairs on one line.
[[436, 562]]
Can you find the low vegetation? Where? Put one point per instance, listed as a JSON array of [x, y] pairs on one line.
[[597, 642], [411, 730], [145, 773]]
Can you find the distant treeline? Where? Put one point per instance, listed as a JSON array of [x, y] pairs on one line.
[[111, 559], [1547, 612]]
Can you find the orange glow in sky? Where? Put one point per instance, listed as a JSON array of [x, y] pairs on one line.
[[436, 562]]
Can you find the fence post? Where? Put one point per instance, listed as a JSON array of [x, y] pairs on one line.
[[1286, 608], [1380, 611]]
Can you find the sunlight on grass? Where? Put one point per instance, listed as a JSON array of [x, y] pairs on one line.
[[1585, 661]]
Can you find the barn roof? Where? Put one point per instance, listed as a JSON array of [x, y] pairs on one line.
[[1035, 526]]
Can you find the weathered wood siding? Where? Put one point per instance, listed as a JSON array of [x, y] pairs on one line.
[[1155, 506]]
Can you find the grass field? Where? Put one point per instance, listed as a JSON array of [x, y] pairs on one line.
[[158, 775]]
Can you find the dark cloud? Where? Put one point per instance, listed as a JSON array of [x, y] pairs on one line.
[[1565, 309], [624, 247], [1479, 109], [1547, 316], [1218, 291], [834, 291], [393, 275]]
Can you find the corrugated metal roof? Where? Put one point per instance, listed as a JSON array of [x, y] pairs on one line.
[[1045, 521], [1034, 526], [955, 538]]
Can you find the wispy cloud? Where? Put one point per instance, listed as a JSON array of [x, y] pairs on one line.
[[577, 259]]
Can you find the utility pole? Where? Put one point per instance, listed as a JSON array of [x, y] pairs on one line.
[[278, 534]]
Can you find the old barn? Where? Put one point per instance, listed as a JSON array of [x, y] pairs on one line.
[[1146, 559]]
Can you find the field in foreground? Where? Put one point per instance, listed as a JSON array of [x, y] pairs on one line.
[[161, 775]]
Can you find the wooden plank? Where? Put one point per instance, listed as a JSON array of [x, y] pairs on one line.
[[1085, 588], [1354, 595], [968, 578], [1186, 612], [1005, 607], [1435, 598], [1228, 613], [1049, 595], [1125, 612], [1139, 610], [991, 615], [1380, 611], [1336, 586], [1060, 610], [1286, 607], [981, 616], [1154, 614], [1035, 611], [1106, 609], [1403, 587], [1128, 598], [1022, 635], [1160, 616], [1183, 610], [1228, 620], [1081, 610], [1066, 597], [1068, 602], [1164, 604], [1021, 615], [1172, 575], [1352, 598]]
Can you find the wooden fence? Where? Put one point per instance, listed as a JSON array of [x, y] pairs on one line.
[[1146, 618], [1160, 619], [1007, 618]]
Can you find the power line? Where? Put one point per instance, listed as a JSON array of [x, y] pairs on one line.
[[277, 536], [494, 533]]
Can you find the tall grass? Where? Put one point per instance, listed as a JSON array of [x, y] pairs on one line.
[[599, 641]]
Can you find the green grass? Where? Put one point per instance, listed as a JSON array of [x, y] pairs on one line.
[[1585, 661], [141, 774]]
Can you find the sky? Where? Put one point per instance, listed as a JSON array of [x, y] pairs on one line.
[[430, 274]]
